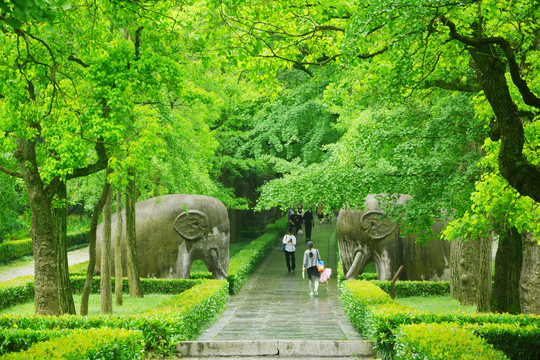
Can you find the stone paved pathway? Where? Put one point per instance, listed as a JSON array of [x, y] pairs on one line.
[[275, 304]]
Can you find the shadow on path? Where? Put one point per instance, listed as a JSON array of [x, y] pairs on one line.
[[275, 304]]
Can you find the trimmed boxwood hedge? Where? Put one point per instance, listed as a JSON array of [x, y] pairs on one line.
[[13, 250], [377, 316], [180, 318], [416, 288], [105, 344], [441, 342]]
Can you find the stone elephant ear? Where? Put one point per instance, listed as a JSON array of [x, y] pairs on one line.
[[192, 225], [376, 224]]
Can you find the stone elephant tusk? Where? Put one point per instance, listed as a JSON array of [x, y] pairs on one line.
[[354, 265], [217, 264]]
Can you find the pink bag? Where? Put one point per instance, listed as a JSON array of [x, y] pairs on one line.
[[325, 275]]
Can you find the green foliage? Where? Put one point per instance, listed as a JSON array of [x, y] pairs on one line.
[[181, 318], [377, 317], [441, 341], [517, 342], [12, 250], [16, 249], [416, 288], [88, 344], [436, 304], [16, 291], [15, 340]]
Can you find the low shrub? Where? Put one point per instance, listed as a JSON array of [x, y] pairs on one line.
[[377, 317], [517, 342], [416, 288], [442, 341], [15, 340], [12, 250], [16, 291], [89, 344], [180, 318]]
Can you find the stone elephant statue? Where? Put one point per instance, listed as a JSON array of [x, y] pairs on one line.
[[369, 235], [174, 230]]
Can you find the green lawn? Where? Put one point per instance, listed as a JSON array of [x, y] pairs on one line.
[[130, 306], [436, 304]]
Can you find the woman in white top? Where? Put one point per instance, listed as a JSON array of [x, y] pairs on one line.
[[290, 246], [311, 257]]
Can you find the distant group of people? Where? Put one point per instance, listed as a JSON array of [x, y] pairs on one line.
[[298, 220]]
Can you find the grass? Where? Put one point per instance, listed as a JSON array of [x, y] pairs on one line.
[[437, 304], [130, 306]]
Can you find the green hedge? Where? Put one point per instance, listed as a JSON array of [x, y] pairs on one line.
[[517, 342], [15, 340], [21, 289], [180, 318], [12, 250], [416, 288], [16, 291], [377, 316], [441, 342], [101, 344], [246, 260]]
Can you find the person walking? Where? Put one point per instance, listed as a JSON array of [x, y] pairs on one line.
[[295, 222], [311, 258], [308, 224], [290, 247]]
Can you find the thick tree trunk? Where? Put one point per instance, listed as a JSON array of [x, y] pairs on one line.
[[43, 239], [513, 165], [106, 283], [92, 247], [529, 283], [505, 296], [134, 281], [65, 296], [465, 270], [118, 275], [484, 273]]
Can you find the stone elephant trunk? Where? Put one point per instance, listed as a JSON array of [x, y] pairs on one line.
[[173, 231]]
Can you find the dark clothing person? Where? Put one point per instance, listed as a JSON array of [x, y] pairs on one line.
[[296, 222], [308, 224]]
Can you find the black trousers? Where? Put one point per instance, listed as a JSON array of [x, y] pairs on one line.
[[290, 259], [308, 231]]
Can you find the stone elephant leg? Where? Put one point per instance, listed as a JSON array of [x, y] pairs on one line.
[[218, 272], [383, 265], [183, 262], [361, 258]]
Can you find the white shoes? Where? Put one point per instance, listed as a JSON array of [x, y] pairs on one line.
[[316, 293], [311, 294]]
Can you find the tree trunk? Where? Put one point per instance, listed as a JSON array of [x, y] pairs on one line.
[[465, 284], [455, 257], [92, 247], [508, 127], [106, 284], [529, 283], [484, 273], [65, 296], [43, 240], [134, 281], [505, 297], [118, 275]]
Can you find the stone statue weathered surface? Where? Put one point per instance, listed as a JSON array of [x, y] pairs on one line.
[[369, 235], [174, 230]]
